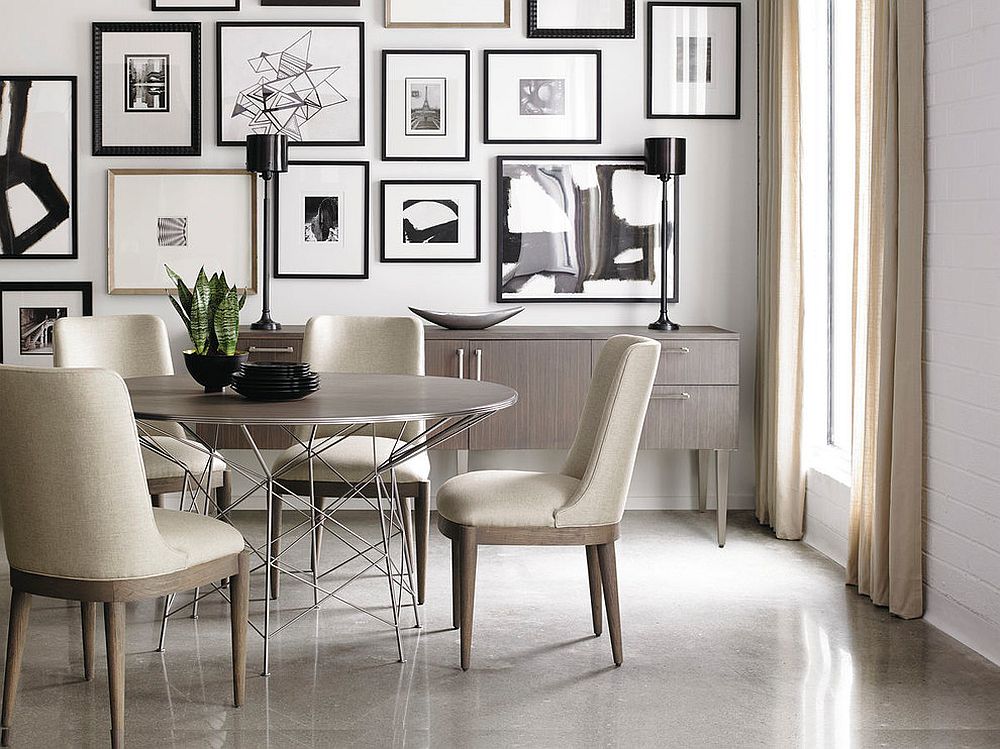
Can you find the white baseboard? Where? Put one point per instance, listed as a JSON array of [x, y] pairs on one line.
[[957, 621]]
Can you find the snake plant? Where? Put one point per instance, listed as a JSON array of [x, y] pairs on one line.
[[210, 311]]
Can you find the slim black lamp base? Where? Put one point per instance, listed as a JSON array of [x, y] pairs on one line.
[[265, 323], [664, 323]]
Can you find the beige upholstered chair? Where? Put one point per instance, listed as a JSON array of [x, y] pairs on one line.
[[137, 346], [80, 527], [376, 345], [581, 505]]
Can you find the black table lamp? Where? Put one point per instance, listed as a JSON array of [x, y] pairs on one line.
[[665, 158], [267, 155]]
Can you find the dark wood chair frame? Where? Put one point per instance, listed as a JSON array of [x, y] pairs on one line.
[[114, 594], [602, 570], [176, 484]]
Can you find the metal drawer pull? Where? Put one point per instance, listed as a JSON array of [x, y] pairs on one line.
[[461, 363], [478, 353], [673, 396], [679, 350], [265, 350]]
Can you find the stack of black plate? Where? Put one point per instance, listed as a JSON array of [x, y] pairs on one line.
[[275, 381]]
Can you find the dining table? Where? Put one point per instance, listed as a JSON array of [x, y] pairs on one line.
[[423, 412]]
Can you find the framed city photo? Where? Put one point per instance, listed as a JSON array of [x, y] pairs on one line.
[[542, 96], [322, 209], [184, 218], [303, 80], [580, 229], [200, 5], [431, 221], [147, 89], [28, 311], [581, 19], [425, 105], [38, 199], [466, 14], [693, 60]]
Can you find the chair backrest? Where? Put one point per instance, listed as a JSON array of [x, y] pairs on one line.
[[131, 345], [366, 345], [72, 488], [607, 438]]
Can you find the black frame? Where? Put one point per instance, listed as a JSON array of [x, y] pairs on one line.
[[359, 25], [649, 61], [479, 219], [487, 53], [194, 29], [74, 254], [196, 8], [85, 288], [468, 102], [573, 299], [311, 3], [366, 165], [628, 32]]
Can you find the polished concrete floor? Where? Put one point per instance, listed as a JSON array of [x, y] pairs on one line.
[[755, 645]]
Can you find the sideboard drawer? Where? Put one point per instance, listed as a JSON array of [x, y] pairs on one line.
[[692, 417], [698, 361], [271, 349]]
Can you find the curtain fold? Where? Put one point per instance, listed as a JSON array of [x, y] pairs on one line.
[[885, 535], [778, 402]]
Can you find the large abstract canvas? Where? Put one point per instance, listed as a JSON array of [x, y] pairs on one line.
[[38, 167], [579, 229]]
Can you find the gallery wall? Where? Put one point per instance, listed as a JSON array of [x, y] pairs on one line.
[[717, 282]]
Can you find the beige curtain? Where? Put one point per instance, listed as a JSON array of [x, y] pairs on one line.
[[886, 500], [778, 404]]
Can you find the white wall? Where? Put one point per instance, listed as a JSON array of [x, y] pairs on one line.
[[719, 197]]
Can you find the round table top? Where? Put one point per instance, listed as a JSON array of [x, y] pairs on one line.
[[341, 399]]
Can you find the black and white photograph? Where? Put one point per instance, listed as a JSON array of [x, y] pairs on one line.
[[301, 80], [147, 89], [693, 60], [425, 105], [431, 221], [581, 19], [172, 231], [28, 312], [542, 96], [425, 102], [38, 176], [579, 229], [322, 209]]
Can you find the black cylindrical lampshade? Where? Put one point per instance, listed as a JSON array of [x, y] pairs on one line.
[[665, 156], [267, 153]]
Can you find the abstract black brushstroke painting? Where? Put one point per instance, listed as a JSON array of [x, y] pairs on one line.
[[38, 167], [430, 221]]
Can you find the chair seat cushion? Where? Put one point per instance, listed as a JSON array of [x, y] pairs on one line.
[[505, 498], [352, 457], [188, 452], [201, 538]]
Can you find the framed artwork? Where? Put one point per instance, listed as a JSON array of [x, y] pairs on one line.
[[184, 218], [147, 89], [693, 60], [311, 3], [38, 172], [431, 221], [542, 96], [580, 229], [426, 97], [581, 19], [322, 209], [196, 4], [466, 14], [305, 80], [28, 312]]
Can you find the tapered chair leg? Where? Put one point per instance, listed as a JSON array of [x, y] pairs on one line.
[[239, 602], [594, 575], [422, 523], [88, 620], [17, 631], [114, 633], [456, 585], [406, 514], [469, 551], [157, 500], [276, 526], [609, 581], [224, 494]]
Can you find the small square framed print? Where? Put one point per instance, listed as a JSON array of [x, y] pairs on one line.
[[322, 209], [431, 221], [196, 5], [542, 96], [693, 60], [581, 19], [465, 14], [28, 312], [147, 89]]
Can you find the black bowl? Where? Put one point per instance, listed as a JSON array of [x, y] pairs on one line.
[[213, 372]]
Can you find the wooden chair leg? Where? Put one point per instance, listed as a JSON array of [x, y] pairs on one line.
[[456, 585], [114, 633], [594, 574], [17, 631], [406, 513], [275, 543], [468, 551], [239, 602], [88, 620], [157, 500], [224, 493], [609, 581], [422, 521]]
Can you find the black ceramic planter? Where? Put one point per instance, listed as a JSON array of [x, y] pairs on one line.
[[213, 372]]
